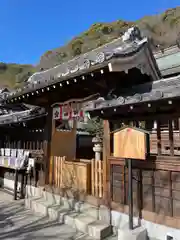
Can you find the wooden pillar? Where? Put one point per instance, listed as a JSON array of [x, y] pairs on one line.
[[159, 146], [171, 140], [171, 194], [74, 129], [15, 184], [22, 192], [106, 164], [47, 143]]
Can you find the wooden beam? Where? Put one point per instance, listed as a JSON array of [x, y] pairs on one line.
[[141, 116], [165, 163]]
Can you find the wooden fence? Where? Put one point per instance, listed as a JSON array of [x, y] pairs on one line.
[[156, 188], [80, 174], [97, 178]]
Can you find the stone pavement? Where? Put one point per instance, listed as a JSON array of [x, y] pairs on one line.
[[18, 223]]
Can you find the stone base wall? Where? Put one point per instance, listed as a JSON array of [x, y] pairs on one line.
[[118, 220]]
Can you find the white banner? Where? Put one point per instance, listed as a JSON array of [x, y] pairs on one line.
[[56, 113]]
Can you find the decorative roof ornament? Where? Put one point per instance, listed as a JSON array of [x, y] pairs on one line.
[[63, 74], [156, 95], [132, 34], [85, 64], [137, 97], [121, 100], [101, 57], [73, 67]]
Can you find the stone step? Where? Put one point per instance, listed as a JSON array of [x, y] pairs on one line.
[[79, 221], [94, 228], [84, 237], [28, 202], [87, 237], [46, 208], [89, 210], [57, 213], [85, 222], [32, 191], [40, 206], [51, 197], [99, 230]]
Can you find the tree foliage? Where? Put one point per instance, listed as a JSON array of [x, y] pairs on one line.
[[95, 127], [76, 46]]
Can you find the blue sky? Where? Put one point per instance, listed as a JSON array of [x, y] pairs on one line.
[[28, 28]]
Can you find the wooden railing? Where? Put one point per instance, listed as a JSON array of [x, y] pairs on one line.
[[165, 143], [82, 175]]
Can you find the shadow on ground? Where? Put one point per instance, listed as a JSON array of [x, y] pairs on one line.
[[17, 223]]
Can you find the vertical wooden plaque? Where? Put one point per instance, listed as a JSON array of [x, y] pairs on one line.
[[131, 143]]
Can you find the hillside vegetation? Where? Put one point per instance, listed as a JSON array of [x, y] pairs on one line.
[[163, 31], [13, 75]]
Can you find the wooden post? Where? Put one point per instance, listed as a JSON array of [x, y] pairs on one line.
[[159, 146], [35, 173], [47, 143], [106, 164], [25, 182], [171, 140], [15, 184], [171, 194], [124, 190], [139, 196], [22, 184], [130, 194]]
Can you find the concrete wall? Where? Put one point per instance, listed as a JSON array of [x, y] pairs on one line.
[[155, 231], [7, 183]]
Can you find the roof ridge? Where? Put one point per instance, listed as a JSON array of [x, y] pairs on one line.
[[125, 39], [77, 57]]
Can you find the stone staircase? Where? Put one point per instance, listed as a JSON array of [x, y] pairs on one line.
[[83, 217]]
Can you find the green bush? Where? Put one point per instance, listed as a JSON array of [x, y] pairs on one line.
[[76, 47]]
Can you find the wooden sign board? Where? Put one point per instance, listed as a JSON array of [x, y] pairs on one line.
[[131, 143]]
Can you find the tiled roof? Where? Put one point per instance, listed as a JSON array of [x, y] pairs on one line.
[[122, 49], [168, 88], [11, 116]]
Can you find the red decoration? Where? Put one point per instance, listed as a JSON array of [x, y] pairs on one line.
[[66, 112], [129, 130]]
